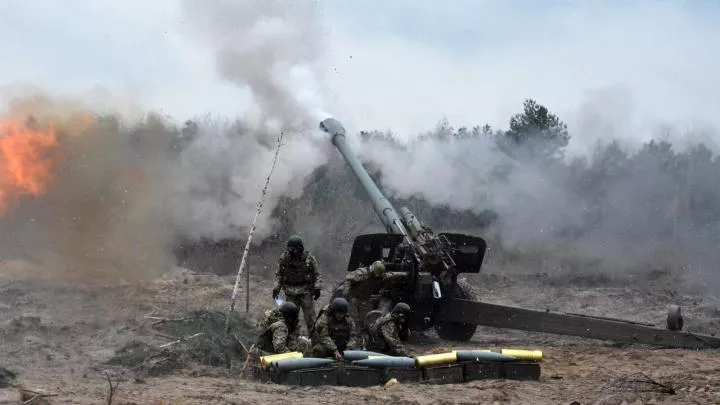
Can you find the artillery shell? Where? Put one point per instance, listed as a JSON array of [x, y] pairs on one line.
[[530, 355], [360, 354], [481, 355], [387, 361], [297, 364], [265, 361], [436, 359]]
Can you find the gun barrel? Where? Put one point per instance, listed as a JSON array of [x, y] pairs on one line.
[[388, 215]]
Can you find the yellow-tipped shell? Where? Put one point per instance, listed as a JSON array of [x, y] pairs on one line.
[[435, 359], [530, 355], [265, 361]]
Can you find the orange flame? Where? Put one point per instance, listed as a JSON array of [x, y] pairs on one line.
[[26, 161]]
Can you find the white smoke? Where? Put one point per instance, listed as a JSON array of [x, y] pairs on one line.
[[273, 48], [473, 175]]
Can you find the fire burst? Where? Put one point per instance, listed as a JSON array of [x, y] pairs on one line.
[[26, 160]]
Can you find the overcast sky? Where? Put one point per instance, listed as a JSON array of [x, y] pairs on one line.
[[401, 64]]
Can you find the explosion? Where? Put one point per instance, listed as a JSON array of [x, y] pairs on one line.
[[28, 154], [74, 191]]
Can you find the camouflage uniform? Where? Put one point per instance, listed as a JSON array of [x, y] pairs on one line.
[[388, 333], [299, 276], [361, 285], [275, 335], [330, 335]]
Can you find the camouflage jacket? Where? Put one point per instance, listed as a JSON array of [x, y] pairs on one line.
[[275, 337], [389, 336], [361, 283], [333, 335], [297, 275]]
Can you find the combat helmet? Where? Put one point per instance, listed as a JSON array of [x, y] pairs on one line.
[[339, 304], [296, 242], [401, 308], [289, 311], [377, 269]]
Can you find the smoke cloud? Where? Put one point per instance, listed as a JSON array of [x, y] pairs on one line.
[[100, 208], [125, 189], [274, 48], [628, 205], [473, 174]]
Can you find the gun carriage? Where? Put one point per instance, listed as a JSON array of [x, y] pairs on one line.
[[431, 262]]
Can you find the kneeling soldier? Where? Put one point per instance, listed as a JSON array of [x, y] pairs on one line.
[[389, 331], [279, 331], [334, 331]]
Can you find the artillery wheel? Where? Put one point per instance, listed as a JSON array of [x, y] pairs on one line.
[[674, 318], [369, 320], [371, 317], [458, 331]]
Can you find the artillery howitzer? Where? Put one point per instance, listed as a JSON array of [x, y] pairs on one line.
[[431, 263]]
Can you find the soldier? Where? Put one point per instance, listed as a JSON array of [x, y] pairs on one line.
[[298, 275], [334, 331], [279, 330], [360, 285], [389, 331]]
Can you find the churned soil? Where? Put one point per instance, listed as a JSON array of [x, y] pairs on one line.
[[73, 337]]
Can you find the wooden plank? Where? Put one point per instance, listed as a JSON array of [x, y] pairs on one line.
[[500, 316]]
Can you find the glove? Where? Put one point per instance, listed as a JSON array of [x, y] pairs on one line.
[[317, 293], [338, 356], [276, 292]]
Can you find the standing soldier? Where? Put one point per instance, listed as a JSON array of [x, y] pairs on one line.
[[334, 331], [298, 275]]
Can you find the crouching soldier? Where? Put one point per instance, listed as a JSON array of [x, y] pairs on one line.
[[334, 331], [279, 331], [362, 284], [389, 332]]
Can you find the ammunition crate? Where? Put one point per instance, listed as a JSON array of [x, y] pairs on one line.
[[262, 375], [357, 376], [521, 370], [481, 370], [310, 377], [402, 374], [447, 374]]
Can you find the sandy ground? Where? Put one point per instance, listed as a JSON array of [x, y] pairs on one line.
[[57, 332]]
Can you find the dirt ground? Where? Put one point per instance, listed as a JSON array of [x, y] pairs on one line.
[[58, 333]]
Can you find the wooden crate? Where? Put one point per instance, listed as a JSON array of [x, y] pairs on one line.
[[445, 374], [402, 374], [481, 370], [310, 377], [258, 374], [521, 370], [357, 376], [264, 375]]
